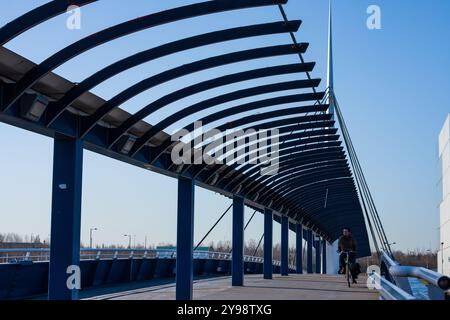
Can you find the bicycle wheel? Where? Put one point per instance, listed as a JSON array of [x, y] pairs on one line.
[[348, 274]]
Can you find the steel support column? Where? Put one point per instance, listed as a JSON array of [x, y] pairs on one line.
[[268, 243], [318, 258], [66, 219], [237, 263], [324, 256], [309, 252], [284, 246], [185, 239], [299, 248]]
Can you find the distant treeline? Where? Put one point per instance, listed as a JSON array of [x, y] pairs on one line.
[[422, 258]]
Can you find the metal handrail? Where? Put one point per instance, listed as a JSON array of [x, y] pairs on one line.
[[42, 254], [388, 290], [434, 278], [436, 283]]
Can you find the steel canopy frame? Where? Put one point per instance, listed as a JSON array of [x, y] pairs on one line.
[[311, 159], [37, 16], [292, 130], [166, 49], [126, 28], [183, 70], [203, 105], [259, 104]]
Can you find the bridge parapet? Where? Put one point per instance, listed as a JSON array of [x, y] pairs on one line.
[[395, 281], [24, 272]]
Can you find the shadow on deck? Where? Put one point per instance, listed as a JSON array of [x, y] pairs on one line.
[[292, 287]]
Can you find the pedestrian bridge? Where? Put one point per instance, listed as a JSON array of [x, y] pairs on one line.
[[316, 188], [150, 274], [292, 287]]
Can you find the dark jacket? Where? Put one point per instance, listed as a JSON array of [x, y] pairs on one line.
[[347, 244]]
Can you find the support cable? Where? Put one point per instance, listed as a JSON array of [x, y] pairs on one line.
[[212, 228], [362, 197], [376, 217], [259, 244], [364, 191]]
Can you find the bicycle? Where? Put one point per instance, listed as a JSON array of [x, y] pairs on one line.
[[348, 274]]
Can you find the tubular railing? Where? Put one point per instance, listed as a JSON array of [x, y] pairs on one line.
[[395, 280], [388, 290], [43, 254]]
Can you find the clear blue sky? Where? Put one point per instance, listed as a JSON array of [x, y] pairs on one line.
[[390, 84]]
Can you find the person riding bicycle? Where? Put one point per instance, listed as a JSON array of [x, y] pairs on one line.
[[347, 245]]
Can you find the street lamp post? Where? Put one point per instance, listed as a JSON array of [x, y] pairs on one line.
[[390, 244], [129, 240], [90, 236]]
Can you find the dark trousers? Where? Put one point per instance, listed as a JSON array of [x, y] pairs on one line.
[[351, 262]]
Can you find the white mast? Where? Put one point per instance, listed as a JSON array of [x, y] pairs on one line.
[[330, 80]]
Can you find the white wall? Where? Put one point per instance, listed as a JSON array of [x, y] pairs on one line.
[[444, 208], [332, 258]]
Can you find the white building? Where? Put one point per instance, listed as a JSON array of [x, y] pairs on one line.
[[444, 158]]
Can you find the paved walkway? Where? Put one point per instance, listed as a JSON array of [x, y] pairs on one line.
[[292, 287]]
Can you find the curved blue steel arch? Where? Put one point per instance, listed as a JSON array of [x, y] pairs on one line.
[[292, 139], [37, 16], [296, 148], [210, 84], [313, 156], [244, 93], [285, 166], [289, 162], [57, 107], [186, 69], [289, 167], [241, 140], [230, 169], [287, 181], [285, 201], [279, 181], [310, 191], [282, 125], [314, 212], [315, 205], [325, 221], [284, 204], [286, 197], [294, 169], [291, 147], [287, 123], [236, 123], [123, 29], [284, 141], [290, 182], [337, 152], [257, 192], [302, 97]]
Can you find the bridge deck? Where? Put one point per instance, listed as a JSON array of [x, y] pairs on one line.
[[293, 287]]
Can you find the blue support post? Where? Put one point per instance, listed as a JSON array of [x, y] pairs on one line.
[[284, 246], [299, 248], [65, 219], [268, 243], [309, 247], [318, 258], [237, 263], [185, 239], [324, 256]]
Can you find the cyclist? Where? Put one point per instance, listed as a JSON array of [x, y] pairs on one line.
[[347, 245]]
